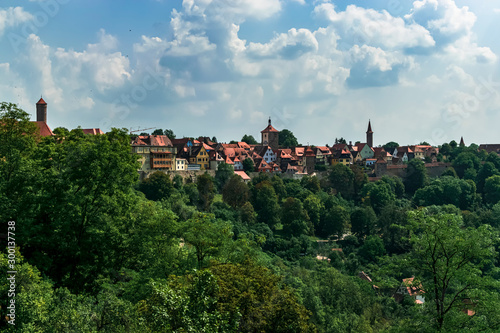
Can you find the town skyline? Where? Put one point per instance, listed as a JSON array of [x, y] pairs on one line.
[[426, 70]]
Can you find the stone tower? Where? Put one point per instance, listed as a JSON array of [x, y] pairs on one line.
[[270, 136], [369, 135], [41, 111]]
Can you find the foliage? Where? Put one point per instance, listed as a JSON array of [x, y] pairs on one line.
[[450, 258], [416, 176], [157, 186], [206, 191], [222, 175], [248, 165], [287, 139], [235, 192], [249, 139]]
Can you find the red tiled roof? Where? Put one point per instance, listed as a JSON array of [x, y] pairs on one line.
[[152, 140], [93, 131], [41, 101], [43, 128], [269, 128], [242, 174]]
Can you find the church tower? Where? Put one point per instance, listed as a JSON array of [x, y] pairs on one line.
[[270, 136], [41, 110], [369, 135]]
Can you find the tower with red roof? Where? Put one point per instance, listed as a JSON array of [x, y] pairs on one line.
[[270, 136], [41, 110]]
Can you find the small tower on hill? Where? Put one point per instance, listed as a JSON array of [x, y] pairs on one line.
[[41, 110], [369, 135], [270, 136]]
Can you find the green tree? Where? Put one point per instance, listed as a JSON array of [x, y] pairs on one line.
[[207, 234], [293, 217], [487, 170], [169, 133], [449, 258], [390, 145], [377, 195], [18, 136], [464, 161], [265, 202], [287, 139], [75, 218], [206, 191], [223, 174], [363, 221], [416, 176], [334, 222], [255, 293], [341, 140], [157, 186], [342, 179], [157, 131], [313, 207], [249, 139], [248, 165], [235, 192], [310, 183], [492, 190]]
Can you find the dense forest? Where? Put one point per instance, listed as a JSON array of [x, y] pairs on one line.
[[99, 250]]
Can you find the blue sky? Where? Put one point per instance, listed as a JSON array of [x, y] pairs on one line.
[[420, 70]]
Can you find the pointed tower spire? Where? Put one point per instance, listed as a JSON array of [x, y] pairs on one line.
[[369, 135], [462, 143]]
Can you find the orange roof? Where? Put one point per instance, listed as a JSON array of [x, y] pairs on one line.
[[93, 131], [269, 128], [43, 128], [242, 174], [41, 101]]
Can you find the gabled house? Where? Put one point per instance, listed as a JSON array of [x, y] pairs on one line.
[[342, 156], [156, 152], [365, 151], [215, 159], [199, 155], [267, 153]]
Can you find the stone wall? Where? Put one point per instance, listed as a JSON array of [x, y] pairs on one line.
[[191, 174], [433, 170]]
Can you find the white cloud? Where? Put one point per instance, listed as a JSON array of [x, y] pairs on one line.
[[361, 26], [443, 18], [288, 46], [233, 10], [13, 17]]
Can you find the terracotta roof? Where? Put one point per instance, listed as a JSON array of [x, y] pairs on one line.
[[41, 101], [152, 140], [413, 290], [242, 174], [93, 131], [269, 128], [43, 128]]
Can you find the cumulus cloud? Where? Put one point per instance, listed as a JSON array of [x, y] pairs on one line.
[[288, 46], [13, 17], [233, 10], [106, 67], [360, 26]]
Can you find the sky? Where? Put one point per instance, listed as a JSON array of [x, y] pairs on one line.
[[425, 70]]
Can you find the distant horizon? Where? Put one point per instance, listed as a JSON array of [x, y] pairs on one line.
[[426, 70]]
